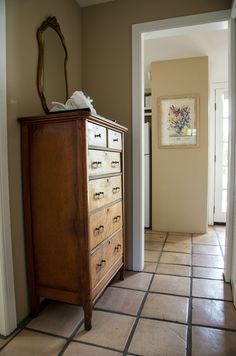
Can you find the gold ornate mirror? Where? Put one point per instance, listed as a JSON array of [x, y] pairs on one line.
[[52, 61]]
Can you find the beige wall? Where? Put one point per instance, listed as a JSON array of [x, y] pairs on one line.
[[107, 56], [106, 77], [179, 175], [23, 19]]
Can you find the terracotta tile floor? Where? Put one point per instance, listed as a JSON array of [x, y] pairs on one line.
[[179, 305]]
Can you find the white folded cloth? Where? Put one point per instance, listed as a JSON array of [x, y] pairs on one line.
[[77, 101]]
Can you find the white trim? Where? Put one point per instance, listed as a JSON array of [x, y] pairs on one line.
[[211, 148], [138, 31], [7, 294], [138, 152], [233, 10], [232, 130]]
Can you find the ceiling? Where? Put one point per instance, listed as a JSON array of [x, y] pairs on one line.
[[85, 3], [211, 43]]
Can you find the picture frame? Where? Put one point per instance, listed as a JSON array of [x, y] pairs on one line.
[[178, 121]]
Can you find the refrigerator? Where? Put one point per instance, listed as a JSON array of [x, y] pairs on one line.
[[147, 175]]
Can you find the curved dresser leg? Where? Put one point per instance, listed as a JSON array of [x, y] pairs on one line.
[[87, 316], [122, 270], [34, 305]]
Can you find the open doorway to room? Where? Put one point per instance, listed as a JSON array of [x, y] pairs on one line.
[[192, 61], [165, 27]]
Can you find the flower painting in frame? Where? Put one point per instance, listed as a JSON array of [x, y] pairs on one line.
[[178, 121]]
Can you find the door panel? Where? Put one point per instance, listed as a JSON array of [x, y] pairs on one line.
[[221, 154]]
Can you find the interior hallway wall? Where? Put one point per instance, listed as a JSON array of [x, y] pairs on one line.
[[180, 175], [23, 19], [107, 62]]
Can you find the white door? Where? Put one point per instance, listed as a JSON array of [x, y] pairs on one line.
[[221, 154]]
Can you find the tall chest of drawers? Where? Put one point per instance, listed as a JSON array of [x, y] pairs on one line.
[[73, 195]]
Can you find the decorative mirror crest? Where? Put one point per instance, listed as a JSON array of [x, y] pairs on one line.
[[52, 63]]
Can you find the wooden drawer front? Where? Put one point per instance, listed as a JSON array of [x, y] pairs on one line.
[[114, 140], [104, 223], [104, 191], [96, 135], [101, 162], [105, 257]]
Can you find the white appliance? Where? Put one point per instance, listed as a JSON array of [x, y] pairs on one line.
[[147, 175]]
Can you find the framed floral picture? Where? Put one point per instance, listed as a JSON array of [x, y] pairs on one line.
[[178, 121]]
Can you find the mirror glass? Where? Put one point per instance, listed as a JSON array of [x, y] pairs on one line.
[[51, 76]]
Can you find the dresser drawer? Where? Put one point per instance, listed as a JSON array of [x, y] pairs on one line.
[[102, 162], [104, 191], [104, 257], [97, 135], [104, 223], [114, 140]]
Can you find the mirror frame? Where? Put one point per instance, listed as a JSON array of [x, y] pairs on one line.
[[49, 22]]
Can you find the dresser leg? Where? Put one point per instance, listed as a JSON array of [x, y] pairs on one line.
[[35, 306], [88, 317], [122, 273]]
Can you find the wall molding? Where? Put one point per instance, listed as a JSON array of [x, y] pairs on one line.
[[7, 293]]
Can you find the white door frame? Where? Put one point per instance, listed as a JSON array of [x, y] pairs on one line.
[[138, 32], [230, 248], [211, 148], [7, 293]]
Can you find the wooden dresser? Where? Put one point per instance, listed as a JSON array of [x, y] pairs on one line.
[[73, 191]]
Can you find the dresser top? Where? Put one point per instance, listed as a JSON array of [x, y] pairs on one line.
[[70, 116]]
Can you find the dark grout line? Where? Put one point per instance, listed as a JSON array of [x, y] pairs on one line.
[[214, 327], [179, 264], [11, 337], [71, 337], [208, 266], [141, 308], [164, 320], [134, 289], [96, 345], [115, 312], [46, 333], [171, 294], [128, 342], [211, 279], [218, 239], [215, 299]]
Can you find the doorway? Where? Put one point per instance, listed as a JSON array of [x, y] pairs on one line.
[[163, 27], [170, 65]]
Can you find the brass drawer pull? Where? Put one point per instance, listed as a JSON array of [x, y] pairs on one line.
[[96, 231], [96, 164], [99, 230], [116, 219], [97, 135], [115, 190], [99, 195], [100, 265], [117, 248], [114, 163]]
